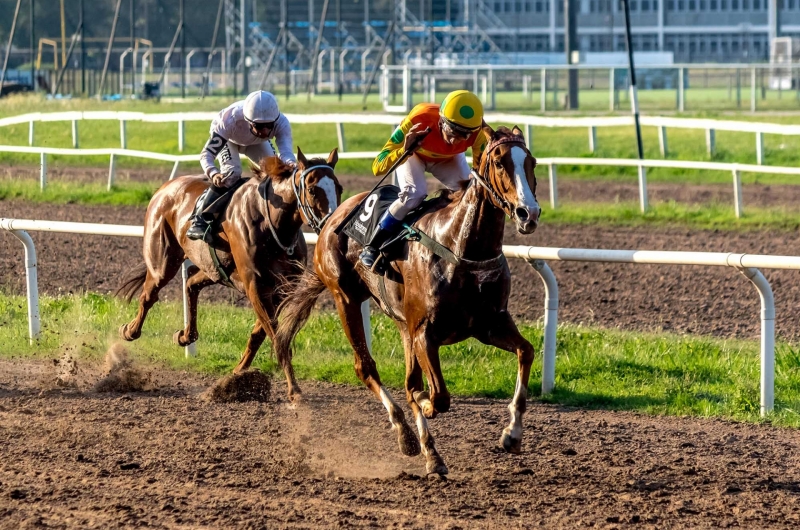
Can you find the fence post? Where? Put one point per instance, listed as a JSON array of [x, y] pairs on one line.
[[550, 323], [123, 134], [760, 148], [738, 88], [191, 349], [492, 98], [30, 132], [31, 282], [484, 82], [611, 90], [42, 171], [475, 81], [432, 88], [553, 174], [643, 203], [593, 139], [174, 170], [75, 134], [681, 90], [711, 142], [543, 90], [181, 135], [662, 141], [752, 90], [525, 87], [529, 136], [340, 137], [367, 325], [408, 92], [112, 171], [738, 204]]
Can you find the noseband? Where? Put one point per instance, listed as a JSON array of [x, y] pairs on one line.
[[483, 180], [300, 189]]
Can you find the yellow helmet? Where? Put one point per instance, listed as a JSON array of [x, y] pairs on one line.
[[462, 108]]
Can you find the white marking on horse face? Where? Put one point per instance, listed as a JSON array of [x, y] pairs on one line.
[[327, 184], [524, 193]]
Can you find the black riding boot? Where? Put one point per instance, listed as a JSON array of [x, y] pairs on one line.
[[387, 227], [201, 218]]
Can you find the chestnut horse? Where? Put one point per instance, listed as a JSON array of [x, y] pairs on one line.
[[433, 302], [260, 245]]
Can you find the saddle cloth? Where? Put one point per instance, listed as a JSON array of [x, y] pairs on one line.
[[363, 225]]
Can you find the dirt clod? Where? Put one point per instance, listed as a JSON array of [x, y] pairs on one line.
[[120, 375], [251, 385]]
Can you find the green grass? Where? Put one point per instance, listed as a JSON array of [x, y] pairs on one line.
[[596, 368]]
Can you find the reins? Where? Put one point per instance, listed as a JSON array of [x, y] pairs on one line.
[[484, 180], [300, 189]]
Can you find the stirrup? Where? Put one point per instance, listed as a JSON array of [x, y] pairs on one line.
[[198, 230], [369, 256]]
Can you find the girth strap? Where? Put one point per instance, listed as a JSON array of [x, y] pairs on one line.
[[414, 234]]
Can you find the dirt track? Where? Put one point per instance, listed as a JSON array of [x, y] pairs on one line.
[[73, 458], [685, 299]]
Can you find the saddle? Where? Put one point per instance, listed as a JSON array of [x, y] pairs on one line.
[[214, 211], [365, 222]]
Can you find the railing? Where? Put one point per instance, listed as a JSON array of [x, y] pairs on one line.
[[747, 264], [759, 129], [484, 79], [734, 169]]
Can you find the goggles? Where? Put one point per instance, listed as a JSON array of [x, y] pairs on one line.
[[263, 125], [456, 130]]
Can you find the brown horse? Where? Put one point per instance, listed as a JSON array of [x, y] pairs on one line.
[[260, 245], [433, 302]]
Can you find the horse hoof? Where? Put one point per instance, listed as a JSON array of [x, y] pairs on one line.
[[178, 339], [123, 333], [436, 466], [510, 444], [409, 443]]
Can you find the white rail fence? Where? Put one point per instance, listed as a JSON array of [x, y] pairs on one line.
[[759, 129], [552, 164], [537, 257]]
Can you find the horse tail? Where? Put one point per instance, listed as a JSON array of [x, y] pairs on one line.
[[295, 309], [132, 282]]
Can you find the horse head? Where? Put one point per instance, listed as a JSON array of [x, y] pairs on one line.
[[313, 185], [506, 170]]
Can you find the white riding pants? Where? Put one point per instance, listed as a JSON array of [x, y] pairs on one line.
[[414, 188]]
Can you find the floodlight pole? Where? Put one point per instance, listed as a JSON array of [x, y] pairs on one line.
[[8, 47], [183, 51], [33, 45], [632, 73], [83, 51], [571, 47], [108, 50]]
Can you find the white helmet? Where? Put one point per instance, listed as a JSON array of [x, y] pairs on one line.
[[261, 107]]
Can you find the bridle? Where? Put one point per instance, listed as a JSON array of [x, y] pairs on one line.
[[306, 211], [483, 180], [300, 190]]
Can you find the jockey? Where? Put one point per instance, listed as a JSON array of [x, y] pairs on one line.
[[245, 127], [446, 132]]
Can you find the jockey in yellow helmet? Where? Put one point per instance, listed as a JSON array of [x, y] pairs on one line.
[[447, 131]]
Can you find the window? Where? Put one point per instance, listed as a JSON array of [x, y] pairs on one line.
[[723, 5], [702, 5], [735, 5], [714, 47], [756, 4], [692, 5], [655, 5], [538, 7], [528, 6], [518, 6], [745, 5], [713, 5], [681, 5], [498, 7], [633, 5], [645, 5], [671, 5]]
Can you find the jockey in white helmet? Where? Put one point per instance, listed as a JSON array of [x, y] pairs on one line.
[[245, 127]]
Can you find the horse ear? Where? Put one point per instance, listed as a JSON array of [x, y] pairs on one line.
[[487, 130], [516, 131], [333, 157], [301, 158]]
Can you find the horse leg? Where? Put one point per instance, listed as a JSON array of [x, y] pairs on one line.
[[198, 280], [265, 322], [503, 334], [418, 400], [367, 372], [155, 280]]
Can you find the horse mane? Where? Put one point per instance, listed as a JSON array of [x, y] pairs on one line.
[[272, 167]]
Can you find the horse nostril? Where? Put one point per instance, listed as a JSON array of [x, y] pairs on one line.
[[522, 214]]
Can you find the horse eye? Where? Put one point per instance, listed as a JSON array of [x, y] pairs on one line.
[[498, 164]]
